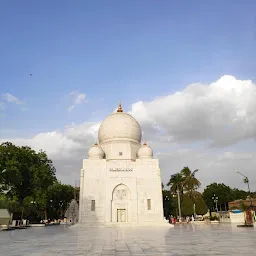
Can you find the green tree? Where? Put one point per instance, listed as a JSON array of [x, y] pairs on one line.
[[25, 173], [11, 205], [200, 205], [170, 204], [239, 194], [32, 209], [189, 203], [58, 197], [190, 182], [176, 183], [220, 190], [176, 186], [167, 203], [3, 201], [185, 181]]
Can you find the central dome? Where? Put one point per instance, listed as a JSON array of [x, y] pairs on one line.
[[119, 125]]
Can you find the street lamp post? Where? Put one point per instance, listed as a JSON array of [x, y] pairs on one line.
[[215, 200], [61, 204], [178, 193], [166, 207], [246, 180], [194, 207]]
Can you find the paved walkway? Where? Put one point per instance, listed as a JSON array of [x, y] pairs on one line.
[[187, 239]]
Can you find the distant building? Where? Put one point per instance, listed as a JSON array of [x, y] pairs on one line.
[[72, 212], [237, 203], [5, 217]]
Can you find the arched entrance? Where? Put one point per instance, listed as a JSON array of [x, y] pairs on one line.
[[121, 204]]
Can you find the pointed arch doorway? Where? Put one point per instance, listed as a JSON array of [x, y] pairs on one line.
[[121, 204]]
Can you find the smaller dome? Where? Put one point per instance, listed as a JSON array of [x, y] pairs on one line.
[[95, 152], [145, 151]]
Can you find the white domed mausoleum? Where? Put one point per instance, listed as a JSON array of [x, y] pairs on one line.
[[120, 181]]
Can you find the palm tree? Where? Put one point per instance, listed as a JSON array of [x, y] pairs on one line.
[[176, 183], [190, 183]]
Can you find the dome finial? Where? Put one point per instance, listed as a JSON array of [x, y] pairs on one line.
[[120, 109], [145, 143]]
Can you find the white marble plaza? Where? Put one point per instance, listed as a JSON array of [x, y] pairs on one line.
[[182, 240]]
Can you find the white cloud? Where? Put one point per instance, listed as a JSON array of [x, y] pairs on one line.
[[221, 113], [11, 99], [82, 132], [213, 166], [62, 145], [66, 149], [77, 99]]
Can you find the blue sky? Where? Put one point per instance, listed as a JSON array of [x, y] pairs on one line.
[[110, 50], [133, 50]]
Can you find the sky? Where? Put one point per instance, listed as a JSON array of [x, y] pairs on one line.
[[186, 70]]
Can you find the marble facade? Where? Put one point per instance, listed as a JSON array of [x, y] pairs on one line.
[[120, 181]]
